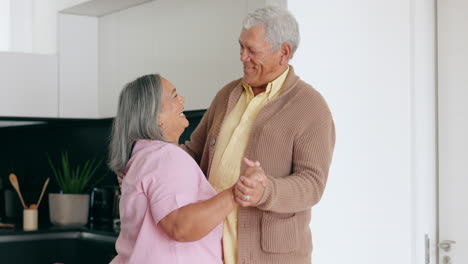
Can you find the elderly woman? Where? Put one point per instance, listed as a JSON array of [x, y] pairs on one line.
[[169, 212]]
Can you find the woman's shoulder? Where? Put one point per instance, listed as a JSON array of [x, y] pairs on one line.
[[150, 156], [153, 146], [164, 153]]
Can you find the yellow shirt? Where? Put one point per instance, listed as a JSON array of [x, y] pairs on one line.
[[229, 151]]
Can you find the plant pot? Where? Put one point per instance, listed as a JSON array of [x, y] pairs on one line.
[[68, 210]]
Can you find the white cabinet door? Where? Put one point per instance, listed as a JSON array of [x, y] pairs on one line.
[[78, 66], [453, 129], [28, 85]]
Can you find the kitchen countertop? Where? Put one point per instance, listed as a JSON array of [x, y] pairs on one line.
[[58, 245], [99, 233]]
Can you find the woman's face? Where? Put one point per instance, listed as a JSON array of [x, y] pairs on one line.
[[171, 119]]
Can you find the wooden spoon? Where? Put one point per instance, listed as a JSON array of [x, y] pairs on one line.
[[14, 182], [34, 206]]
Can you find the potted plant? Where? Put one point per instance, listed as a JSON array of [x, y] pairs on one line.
[[70, 207]]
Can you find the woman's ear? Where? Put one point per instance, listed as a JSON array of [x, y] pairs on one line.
[[286, 52], [162, 130], [161, 122]]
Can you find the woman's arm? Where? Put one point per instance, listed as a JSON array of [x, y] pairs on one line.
[[196, 220]]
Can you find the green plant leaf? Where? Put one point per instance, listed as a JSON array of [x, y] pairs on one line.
[[76, 180]]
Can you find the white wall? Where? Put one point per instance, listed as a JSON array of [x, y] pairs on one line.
[[5, 29], [194, 44], [361, 55]]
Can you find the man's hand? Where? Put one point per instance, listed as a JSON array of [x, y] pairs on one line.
[[250, 187]]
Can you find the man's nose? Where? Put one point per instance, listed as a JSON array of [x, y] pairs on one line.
[[244, 56]]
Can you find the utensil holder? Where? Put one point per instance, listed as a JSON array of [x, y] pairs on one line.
[[29, 219]]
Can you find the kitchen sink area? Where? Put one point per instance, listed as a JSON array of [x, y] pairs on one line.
[[57, 246]]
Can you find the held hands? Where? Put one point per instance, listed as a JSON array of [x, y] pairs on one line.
[[250, 187]]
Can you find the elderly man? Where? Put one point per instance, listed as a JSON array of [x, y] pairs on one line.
[[285, 129]]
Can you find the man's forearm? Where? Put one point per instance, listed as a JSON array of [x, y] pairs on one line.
[[302, 189], [294, 193]]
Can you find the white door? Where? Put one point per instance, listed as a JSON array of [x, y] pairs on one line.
[[453, 130]]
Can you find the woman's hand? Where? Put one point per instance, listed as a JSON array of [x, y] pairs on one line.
[[248, 190]]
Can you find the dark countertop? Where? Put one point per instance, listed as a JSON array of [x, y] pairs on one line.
[[58, 245], [87, 232]]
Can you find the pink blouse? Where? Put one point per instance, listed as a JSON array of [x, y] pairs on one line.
[[161, 177]]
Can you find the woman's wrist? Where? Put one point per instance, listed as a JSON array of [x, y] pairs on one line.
[[230, 194]]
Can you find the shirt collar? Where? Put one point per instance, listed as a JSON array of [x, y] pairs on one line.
[[272, 88]]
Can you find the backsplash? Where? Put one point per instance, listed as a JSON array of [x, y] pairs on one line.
[[24, 150]]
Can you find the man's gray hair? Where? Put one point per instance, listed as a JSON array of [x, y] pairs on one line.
[[137, 118], [280, 26]]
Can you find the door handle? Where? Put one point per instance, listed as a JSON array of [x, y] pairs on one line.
[[446, 245]]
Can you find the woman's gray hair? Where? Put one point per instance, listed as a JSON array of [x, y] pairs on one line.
[[137, 118], [280, 26]]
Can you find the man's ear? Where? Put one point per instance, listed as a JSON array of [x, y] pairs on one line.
[[286, 52]]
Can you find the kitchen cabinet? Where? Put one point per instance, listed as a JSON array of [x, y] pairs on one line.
[[62, 84], [104, 44], [194, 44], [28, 85], [58, 246], [78, 66], [78, 49], [102, 7]]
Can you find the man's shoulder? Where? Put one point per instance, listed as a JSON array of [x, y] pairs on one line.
[[227, 89], [308, 94], [306, 103], [299, 89], [306, 88], [223, 94]]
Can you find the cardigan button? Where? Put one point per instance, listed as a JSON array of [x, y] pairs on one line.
[[213, 141]]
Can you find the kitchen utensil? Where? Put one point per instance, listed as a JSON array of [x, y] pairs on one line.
[[34, 206], [14, 182], [7, 225], [29, 219], [101, 205]]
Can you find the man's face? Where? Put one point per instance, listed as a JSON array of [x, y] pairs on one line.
[[261, 64]]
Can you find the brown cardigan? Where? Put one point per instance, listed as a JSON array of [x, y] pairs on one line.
[[293, 138]]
